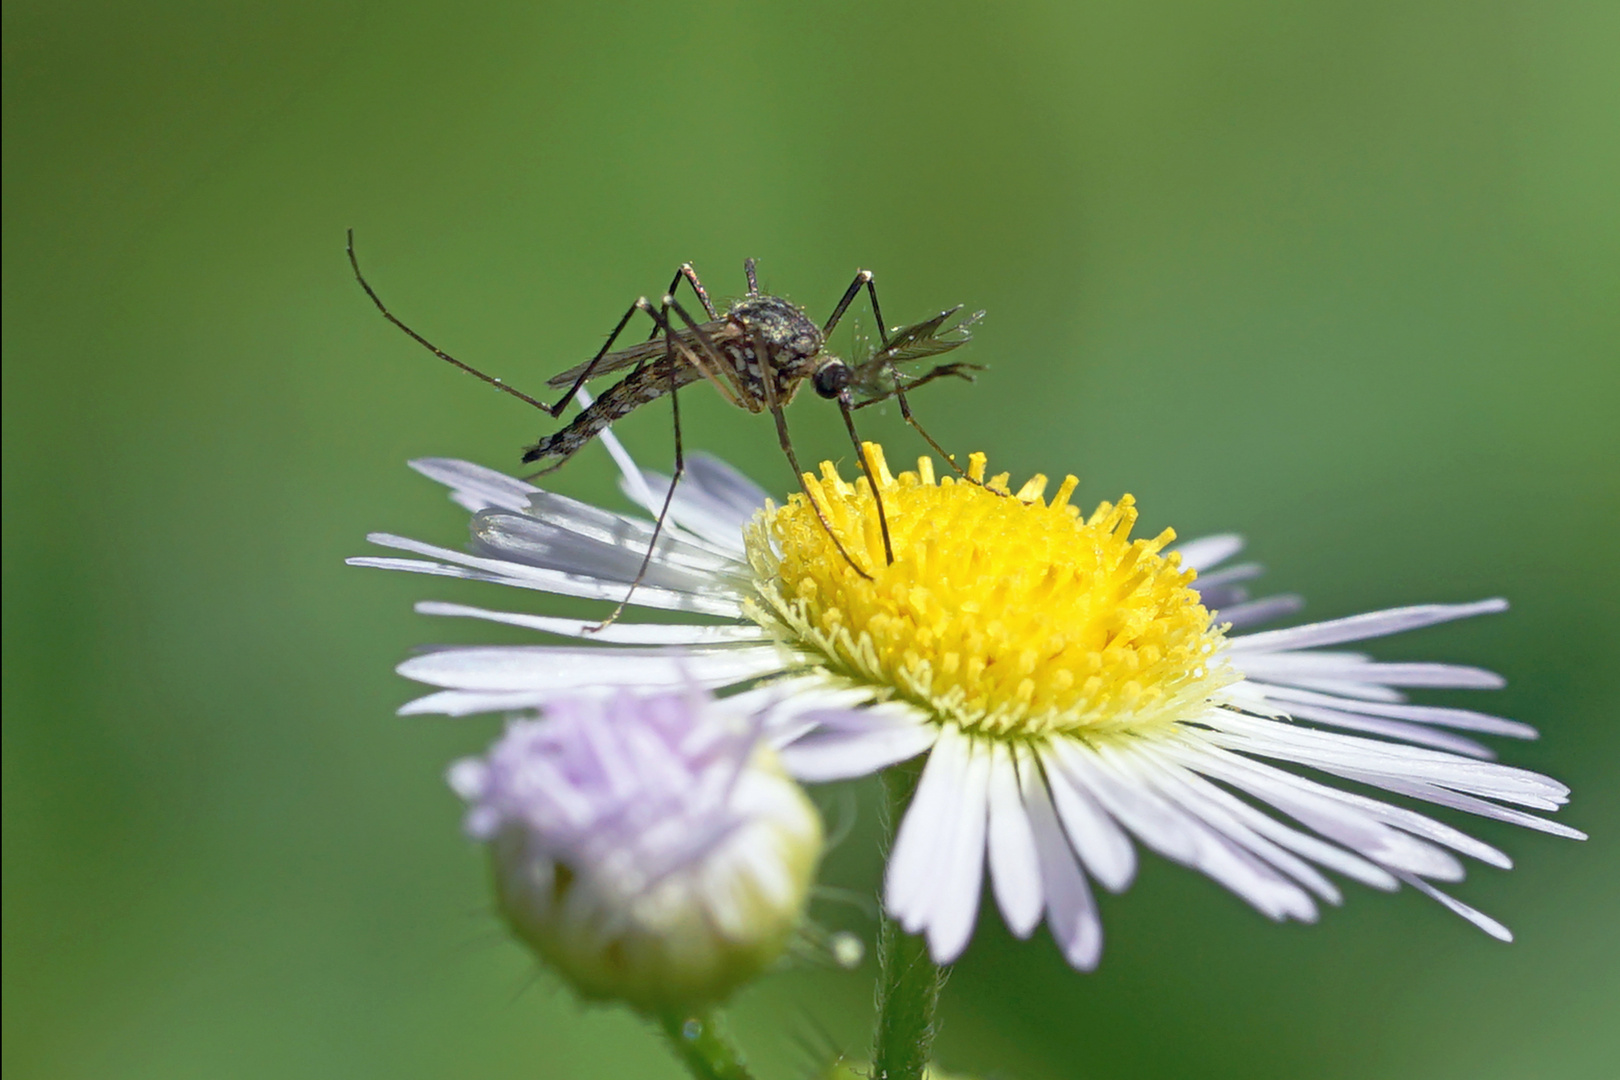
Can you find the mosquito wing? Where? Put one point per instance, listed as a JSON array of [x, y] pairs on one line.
[[719, 332], [875, 377], [923, 339]]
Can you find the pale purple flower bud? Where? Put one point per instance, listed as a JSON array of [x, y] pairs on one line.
[[651, 849]]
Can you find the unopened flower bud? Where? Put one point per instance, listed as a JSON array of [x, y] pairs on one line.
[[650, 849]]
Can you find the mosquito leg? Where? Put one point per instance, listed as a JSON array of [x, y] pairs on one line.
[[669, 496], [714, 363], [863, 280], [640, 386], [793, 460], [689, 275], [905, 411], [871, 477], [899, 393], [959, 370], [589, 369], [354, 262]]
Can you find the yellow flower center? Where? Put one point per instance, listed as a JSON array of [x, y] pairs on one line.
[[1003, 613]]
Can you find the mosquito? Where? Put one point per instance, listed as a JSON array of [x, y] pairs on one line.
[[757, 355]]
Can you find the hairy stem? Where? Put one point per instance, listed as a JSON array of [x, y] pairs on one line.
[[908, 979], [698, 1041]]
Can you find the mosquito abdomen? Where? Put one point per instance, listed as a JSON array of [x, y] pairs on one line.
[[636, 389]]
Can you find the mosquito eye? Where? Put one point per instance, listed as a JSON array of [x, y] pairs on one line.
[[830, 380]]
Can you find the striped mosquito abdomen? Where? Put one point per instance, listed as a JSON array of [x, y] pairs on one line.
[[649, 383]]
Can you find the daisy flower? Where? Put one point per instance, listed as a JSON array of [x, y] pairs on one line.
[[1078, 693], [649, 847]]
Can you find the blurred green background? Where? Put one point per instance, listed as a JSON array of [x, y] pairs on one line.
[[1342, 276]]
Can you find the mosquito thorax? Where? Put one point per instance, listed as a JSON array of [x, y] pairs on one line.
[[787, 332]]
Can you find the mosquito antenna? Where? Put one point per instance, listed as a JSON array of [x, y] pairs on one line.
[[428, 345]]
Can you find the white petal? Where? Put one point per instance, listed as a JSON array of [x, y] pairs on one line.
[[506, 572], [1429, 829], [1207, 551], [1324, 809], [418, 566], [1311, 847], [1155, 822], [832, 754], [911, 871], [1299, 667], [613, 549], [621, 457], [1071, 913], [857, 717], [1228, 863], [1177, 785], [469, 703], [618, 633], [468, 778], [1345, 688], [1099, 841], [947, 831], [1251, 879], [1394, 729], [782, 705], [1015, 871], [474, 486], [1259, 611], [1332, 751], [1473, 915], [956, 901], [726, 486], [1220, 597], [1474, 805], [1441, 716], [1360, 627], [540, 667], [1240, 572], [713, 500]]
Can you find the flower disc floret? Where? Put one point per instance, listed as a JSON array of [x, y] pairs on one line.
[[1003, 612]]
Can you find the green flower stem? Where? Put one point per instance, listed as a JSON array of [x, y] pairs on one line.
[[706, 1052], [908, 979]]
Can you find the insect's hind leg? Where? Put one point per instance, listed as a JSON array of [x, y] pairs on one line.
[[589, 369], [676, 473], [614, 404], [686, 273]]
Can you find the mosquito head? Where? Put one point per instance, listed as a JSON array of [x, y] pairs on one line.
[[831, 377]]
